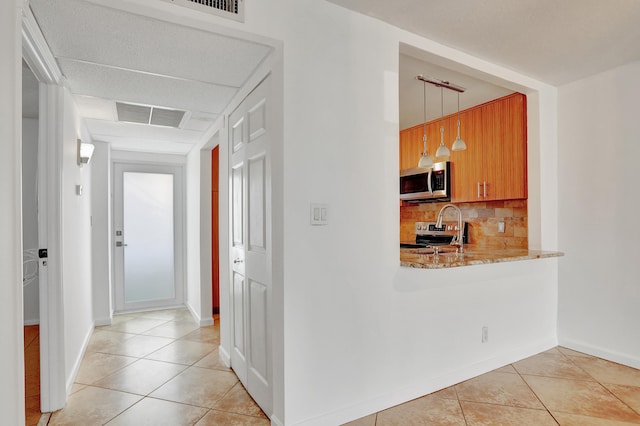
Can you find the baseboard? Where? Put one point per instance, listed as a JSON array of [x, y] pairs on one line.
[[202, 321], [225, 357], [428, 385], [276, 422], [31, 322], [99, 322], [76, 365], [600, 352]]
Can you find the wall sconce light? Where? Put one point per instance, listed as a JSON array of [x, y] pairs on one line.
[[85, 151]]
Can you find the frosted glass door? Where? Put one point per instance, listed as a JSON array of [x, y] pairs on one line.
[[148, 223]]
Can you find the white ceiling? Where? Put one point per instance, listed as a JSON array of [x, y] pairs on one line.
[[554, 41], [411, 91], [110, 55]]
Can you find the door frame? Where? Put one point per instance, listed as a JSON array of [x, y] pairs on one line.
[[118, 168], [35, 52]]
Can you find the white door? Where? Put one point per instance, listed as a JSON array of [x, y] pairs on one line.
[[251, 244], [147, 236]]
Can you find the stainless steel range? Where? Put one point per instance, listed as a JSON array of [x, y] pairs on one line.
[[428, 234]]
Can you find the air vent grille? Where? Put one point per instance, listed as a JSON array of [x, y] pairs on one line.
[[233, 9], [149, 115]]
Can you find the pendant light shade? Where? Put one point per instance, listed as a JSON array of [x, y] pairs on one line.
[[425, 160], [459, 144], [442, 151]]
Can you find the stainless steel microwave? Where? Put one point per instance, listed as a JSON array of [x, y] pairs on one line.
[[426, 183]]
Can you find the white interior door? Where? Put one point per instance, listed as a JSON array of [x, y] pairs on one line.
[[251, 244], [148, 236]]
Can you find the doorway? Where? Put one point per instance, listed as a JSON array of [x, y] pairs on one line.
[[148, 230]]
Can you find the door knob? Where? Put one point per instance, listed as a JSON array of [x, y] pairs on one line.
[[238, 260]]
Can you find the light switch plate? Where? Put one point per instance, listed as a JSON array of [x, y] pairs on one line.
[[319, 214]]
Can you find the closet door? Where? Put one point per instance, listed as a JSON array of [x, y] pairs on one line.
[[251, 244]]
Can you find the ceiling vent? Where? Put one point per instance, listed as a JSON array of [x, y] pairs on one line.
[[233, 9], [149, 115]]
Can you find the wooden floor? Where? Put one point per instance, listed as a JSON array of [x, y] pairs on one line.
[[32, 374]]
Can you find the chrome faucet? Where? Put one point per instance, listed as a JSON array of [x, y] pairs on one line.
[[457, 240]]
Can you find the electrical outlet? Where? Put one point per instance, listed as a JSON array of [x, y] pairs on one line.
[[501, 227], [485, 334]]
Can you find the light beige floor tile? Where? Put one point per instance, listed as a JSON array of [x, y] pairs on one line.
[[608, 372], [218, 418], [93, 406], [478, 414], [363, 421], [97, 365], [142, 377], [212, 360], [155, 412], [553, 351], [427, 410], [446, 393], [140, 346], [506, 369], [168, 315], [566, 419], [551, 365], [571, 352], [77, 387], [238, 401], [183, 352], [580, 397], [630, 395], [118, 319], [105, 341], [498, 388], [197, 386], [134, 325], [173, 329], [204, 334]]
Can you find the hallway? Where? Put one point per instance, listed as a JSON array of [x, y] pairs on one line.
[[157, 368]]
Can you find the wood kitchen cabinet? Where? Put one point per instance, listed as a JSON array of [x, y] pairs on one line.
[[505, 148], [467, 165], [494, 165], [411, 145]]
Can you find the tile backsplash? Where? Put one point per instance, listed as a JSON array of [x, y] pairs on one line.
[[483, 219]]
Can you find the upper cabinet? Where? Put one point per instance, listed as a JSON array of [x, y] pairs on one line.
[[494, 165]]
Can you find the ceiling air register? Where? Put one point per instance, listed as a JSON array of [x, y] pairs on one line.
[[232, 9]]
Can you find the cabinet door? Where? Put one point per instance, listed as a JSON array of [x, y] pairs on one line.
[[466, 166], [505, 148], [410, 147]]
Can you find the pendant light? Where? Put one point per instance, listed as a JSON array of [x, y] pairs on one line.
[[459, 144], [425, 160], [443, 151]]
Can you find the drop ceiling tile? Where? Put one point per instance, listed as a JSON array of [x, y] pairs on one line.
[[120, 130], [98, 108], [111, 83], [94, 33]]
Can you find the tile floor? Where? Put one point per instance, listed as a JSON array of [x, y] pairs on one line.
[[32, 374], [160, 368], [556, 387], [157, 368]]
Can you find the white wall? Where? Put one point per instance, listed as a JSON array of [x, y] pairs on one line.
[[11, 317], [359, 333], [598, 204], [196, 300], [30, 214], [76, 242], [101, 233]]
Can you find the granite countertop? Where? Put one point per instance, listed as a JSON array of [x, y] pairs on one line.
[[424, 257]]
